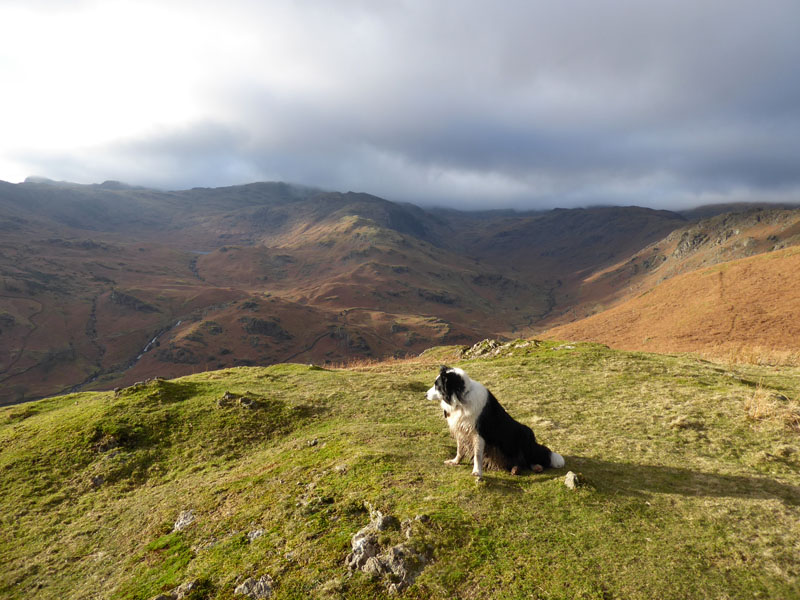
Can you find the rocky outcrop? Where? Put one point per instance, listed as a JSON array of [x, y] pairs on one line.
[[490, 348], [271, 329], [397, 565]]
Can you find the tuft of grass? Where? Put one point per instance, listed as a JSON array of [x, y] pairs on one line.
[[765, 404]]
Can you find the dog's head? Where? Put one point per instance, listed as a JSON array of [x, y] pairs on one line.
[[449, 386]]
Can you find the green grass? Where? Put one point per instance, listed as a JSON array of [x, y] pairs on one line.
[[687, 497]]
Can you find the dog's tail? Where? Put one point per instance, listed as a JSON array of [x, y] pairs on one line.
[[556, 460]]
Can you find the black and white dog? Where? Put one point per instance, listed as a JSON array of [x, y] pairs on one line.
[[484, 429]]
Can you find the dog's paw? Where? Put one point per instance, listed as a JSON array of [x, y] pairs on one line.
[[477, 474], [556, 460], [452, 462], [537, 468]]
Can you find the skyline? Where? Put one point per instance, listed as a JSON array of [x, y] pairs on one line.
[[520, 105]]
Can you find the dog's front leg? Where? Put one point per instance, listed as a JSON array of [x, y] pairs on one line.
[[478, 444], [459, 453]]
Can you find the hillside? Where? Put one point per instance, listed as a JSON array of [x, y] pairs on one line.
[[747, 307], [265, 474], [105, 285], [711, 241]]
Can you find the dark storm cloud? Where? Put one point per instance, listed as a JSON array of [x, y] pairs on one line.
[[503, 104]]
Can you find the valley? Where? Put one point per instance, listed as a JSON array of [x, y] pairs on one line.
[[105, 285]]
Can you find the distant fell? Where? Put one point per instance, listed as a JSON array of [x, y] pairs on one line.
[[105, 285]]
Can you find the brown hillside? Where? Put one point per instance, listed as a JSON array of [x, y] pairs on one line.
[[750, 303], [712, 241]]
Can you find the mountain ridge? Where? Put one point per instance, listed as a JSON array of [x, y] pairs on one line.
[[344, 275]]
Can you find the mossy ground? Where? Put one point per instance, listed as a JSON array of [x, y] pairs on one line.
[[687, 495]]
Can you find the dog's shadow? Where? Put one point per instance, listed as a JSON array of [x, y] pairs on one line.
[[633, 479], [636, 479]]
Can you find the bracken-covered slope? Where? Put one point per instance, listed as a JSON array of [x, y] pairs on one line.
[[740, 306], [690, 471]]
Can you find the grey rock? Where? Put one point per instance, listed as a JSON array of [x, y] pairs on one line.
[[254, 535], [374, 567], [185, 519], [573, 480], [404, 564], [423, 518], [255, 588], [400, 565], [246, 402], [365, 546], [184, 590]]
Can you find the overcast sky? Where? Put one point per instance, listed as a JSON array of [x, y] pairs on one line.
[[471, 104]]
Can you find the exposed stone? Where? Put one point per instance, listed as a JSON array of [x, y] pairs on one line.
[[227, 399], [255, 588], [573, 480], [254, 535], [365, 546], [374, 567], [247, 402], [404, 564], [400, 564], [179, 593], [482, 348], [184, 589], [185, 519]]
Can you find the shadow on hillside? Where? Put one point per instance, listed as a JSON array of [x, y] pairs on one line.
[[634, 479]]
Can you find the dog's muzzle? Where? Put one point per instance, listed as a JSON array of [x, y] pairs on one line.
[[432, 394]]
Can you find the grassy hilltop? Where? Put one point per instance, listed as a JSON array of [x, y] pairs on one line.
[[691, 468]]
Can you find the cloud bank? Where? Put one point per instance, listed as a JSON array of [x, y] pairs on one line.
[[462, 103]]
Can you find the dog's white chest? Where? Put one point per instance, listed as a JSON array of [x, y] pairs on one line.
[[458, 420]]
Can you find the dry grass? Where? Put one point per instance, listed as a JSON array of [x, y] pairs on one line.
[[753, 355], [764, 405]]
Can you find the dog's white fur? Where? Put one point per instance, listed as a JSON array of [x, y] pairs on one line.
[[462, 417]]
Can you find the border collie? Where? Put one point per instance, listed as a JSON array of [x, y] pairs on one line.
[[484, 429]]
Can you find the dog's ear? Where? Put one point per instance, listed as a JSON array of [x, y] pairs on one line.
[[453, 384], [443, 369]]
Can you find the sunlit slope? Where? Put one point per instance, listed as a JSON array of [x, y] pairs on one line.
[[692, 486], [746, 303]]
